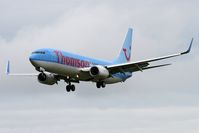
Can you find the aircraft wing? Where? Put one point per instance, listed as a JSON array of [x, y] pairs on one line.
[[144, 64]]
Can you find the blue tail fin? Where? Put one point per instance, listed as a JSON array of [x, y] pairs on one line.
[[125, 53]]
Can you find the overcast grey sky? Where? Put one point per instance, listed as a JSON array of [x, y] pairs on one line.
[[160, 100]]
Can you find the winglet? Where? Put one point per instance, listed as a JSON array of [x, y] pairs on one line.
[[8, 68], [189, 49]]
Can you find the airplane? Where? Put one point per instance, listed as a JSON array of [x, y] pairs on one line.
[[54, 65]]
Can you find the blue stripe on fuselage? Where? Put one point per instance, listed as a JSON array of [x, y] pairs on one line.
[[57, 56]]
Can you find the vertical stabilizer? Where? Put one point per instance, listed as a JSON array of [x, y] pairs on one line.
[[125, 53]]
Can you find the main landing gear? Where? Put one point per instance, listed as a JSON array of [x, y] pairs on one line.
[[100, 84], [70, 87]]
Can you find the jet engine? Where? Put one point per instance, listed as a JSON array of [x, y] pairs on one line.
[[47, 79], [99, 72]]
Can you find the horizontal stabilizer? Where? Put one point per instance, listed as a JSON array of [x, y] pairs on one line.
[[18, 74]]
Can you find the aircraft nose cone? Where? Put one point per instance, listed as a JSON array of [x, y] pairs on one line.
[[31, 58]]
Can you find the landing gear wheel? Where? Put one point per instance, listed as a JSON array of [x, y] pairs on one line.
[[100, 84], [103, 85], [68, 88], [72, 87]]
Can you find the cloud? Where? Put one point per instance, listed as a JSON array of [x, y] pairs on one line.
[[167, 119]]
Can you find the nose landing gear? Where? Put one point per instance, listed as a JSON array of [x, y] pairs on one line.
[[71, 87]]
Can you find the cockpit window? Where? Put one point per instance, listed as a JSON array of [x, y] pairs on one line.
[[38, 52]]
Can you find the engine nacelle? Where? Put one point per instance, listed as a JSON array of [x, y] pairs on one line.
[[99, 72], [47, 79]]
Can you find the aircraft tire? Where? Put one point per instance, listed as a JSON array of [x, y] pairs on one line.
[[72, 87], [68, 88], [98, 84], [103, 85]]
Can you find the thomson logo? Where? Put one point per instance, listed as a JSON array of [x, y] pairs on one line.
[[71, 61], [125, 53]]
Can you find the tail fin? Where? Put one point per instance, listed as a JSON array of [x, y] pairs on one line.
[[125, 53]]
